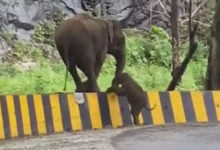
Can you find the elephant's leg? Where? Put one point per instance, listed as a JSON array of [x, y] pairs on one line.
[[98, 66], [76, 78], [99, 62], [135, 118], [91, 83]]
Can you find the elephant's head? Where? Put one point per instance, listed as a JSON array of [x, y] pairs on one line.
[[116, 45]]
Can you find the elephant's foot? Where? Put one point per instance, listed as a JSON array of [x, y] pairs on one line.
[[81, 88], [78, 90], [88, 88], [93, 90]]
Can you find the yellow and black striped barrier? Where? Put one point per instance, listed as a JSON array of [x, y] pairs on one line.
[[26, 115]]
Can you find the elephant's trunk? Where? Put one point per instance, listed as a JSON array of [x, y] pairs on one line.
[[120, 59]]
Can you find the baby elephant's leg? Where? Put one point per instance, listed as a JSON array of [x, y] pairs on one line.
[[135, 118]]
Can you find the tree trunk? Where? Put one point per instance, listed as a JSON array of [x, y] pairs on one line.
[[213, 69], [180, 68], [175, 35], [103, 8]]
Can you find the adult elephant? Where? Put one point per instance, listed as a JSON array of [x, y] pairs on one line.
[[83, 41]]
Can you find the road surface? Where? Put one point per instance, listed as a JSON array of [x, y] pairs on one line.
[[181, 137], [85, 140], [184, 137]]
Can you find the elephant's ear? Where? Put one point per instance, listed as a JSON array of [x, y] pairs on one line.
[[110, 29]]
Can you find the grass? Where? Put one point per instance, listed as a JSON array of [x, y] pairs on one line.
[[48, 78]]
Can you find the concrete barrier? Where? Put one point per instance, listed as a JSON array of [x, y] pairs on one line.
[[27, 115]]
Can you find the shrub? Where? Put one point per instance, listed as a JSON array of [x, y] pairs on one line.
[[23, 51], [44, 33], [150, 47]]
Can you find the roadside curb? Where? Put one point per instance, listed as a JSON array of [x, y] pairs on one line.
[[31, 115]]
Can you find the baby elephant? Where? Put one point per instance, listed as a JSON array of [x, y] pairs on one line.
[[124, 84]]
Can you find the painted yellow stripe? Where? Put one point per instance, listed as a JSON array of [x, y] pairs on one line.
[[2, 131], [39, 111], [140, 118], [177, 107], [114, 109], [12, 116], [56, 113], [25, 114], [94, 111], [157, 114], [216, 97], [74, 113], [199, 106]]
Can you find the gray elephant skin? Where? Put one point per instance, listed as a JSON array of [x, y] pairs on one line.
[[125, 85], [83, 41]]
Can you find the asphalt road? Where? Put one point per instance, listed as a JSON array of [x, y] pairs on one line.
[[179, 137], [187, 137], [85, 140]]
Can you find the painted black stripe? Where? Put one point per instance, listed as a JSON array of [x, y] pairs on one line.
[[84, 113], [188, 107], [48, 113], [104, 109], [210, 106], [64, 107], [146, 114], [32, 113], [5, 117], [18, 116], [125, 111], [166, 107]]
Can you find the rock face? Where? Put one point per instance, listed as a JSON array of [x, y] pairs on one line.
[[21, 16]]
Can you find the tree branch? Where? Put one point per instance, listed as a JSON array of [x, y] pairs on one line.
[[195, 12], [192, 48]]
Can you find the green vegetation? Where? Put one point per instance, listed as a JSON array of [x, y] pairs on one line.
[[44, 33], [148, 61]]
